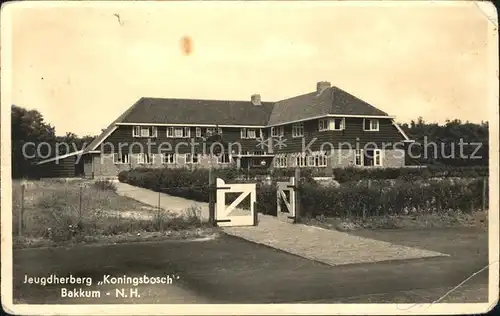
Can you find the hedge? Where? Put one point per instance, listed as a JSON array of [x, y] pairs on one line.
[[408, 174], [344, 201]]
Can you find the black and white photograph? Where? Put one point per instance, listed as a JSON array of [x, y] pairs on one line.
[[249, 157]]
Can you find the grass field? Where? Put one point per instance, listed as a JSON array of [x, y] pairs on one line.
[[85, 211]]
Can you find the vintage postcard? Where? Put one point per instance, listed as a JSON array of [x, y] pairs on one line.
[[237, 158]]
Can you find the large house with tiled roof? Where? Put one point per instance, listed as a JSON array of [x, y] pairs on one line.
[[323, 129]]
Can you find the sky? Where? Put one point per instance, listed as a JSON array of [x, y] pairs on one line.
[[81, 66]]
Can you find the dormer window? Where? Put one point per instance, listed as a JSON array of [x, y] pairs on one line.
[[370, 124], [338, 124], [250, 133], [323, 125]]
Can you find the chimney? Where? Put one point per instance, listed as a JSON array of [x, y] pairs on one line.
[[322, 86], [255, 99]]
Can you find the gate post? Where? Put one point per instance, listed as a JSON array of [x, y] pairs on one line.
[[255, 214], [212, 188], [297, 195]]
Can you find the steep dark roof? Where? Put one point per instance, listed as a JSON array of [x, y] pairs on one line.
[[188, 111], [331, 101]]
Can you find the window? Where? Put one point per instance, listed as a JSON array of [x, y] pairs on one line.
[[370, 125], [210, 131], [323, 125], [277, 131], [377, 157], [223, 159], [219, 131], [198, 132], [145, 131], [136, 131], [300, 160], [298, 130], [280, 161], [144, 158], [120, 158], [191, 158], [320, 159], [338, 124], [358, 157], [170, 132], [178, 132], [168, 159], [250, 133], [310, 160]]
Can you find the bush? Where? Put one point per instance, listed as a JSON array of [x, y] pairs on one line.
[[392, 192], [408, 174], [362, 201]]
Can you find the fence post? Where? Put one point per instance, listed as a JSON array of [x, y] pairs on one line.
[[485, 184], [160, 220], [80, 203], [21, 215], [297, 195], [211, 197]]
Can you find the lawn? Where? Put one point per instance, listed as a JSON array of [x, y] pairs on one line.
[[59, 211]]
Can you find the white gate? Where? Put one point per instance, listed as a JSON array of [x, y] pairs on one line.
[[288, 213], [231, 215]]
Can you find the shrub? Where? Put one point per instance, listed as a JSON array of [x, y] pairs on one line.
[[409, 174], [392, 191]]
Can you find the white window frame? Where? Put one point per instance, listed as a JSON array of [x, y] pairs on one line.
[[301, 160], [377, 153], [359, 153], [136, 131], [342, 124], [210, 131], [219, 130], [243, 133], [251, 133], [124, 159], [190, 157], [280, 161], [170, 132], [277, 131], [198, 132], [141, 159], [221, 160], [373, 127], [311, 161], [168, 159], [323, 125], [320, 159], [145, 131], [178, 132], [298, 130]]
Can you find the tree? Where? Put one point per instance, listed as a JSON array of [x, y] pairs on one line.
[[29, 133]]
